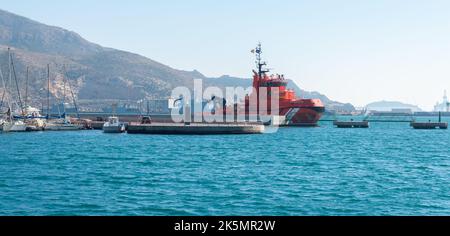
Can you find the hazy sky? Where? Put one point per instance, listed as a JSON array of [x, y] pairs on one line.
[[352, 51]]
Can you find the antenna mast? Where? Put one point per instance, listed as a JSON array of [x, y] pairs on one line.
[[259, 63]]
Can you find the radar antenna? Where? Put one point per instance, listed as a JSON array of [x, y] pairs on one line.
[[259, 63]]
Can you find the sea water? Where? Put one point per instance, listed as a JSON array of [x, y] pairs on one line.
[[388, 169]]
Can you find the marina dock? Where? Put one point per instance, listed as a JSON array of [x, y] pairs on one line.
[[351, 124], [429, 125], [195, 128]]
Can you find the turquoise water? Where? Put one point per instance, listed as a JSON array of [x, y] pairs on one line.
[[389, 169]]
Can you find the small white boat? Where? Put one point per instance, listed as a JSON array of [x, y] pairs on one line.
[[113, 125], [14, 126], [62, 125]]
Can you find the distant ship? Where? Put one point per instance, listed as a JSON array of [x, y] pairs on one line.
[[296, 111], [444, 105]]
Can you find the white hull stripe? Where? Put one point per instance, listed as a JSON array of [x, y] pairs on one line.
[[291, 113]]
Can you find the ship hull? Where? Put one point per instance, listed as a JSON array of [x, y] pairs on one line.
[[303, 116], [14, 127], [302, 112], [62, 127], [114, 129]]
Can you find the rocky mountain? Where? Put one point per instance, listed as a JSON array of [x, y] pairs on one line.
[[94, 72]]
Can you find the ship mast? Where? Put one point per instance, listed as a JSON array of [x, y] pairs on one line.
[[259, 63], [261, 72]]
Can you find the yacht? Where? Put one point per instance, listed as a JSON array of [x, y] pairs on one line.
[[14, 126], [32, 118]]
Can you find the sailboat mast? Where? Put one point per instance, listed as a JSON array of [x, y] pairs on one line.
[[74, 102], [48, 91], [64, 90], [4, 88], [17, 84], [9, 82], [26, 89], [73, 96], [9, 67], [3, 97]]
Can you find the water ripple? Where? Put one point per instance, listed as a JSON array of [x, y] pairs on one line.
[[388, 169]]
